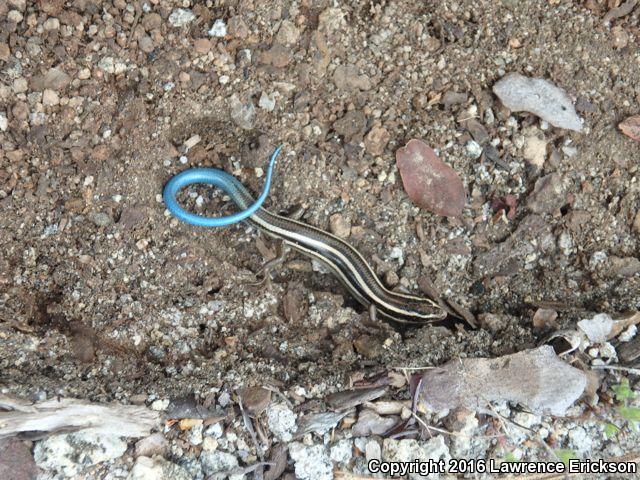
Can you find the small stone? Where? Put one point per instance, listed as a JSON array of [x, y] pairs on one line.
[[535, 148], [20, 85], [410, 450], [191, 142], [429, 182], [243, 114], [16, 461], [624, 266], [452, 98], [84, 74], [55, 79], [157, 468], [4, 122], [540, 97], [255, 399], [218, 29], [50, 98], [202, 46], [631, 127], [18, 4], [215, 461], [70, 453], [347, 77], [155, 444], [376, 140], [15, 16], [101, 219], [181, 17], [477, 130], [370, 423], [339, 225], [266, 102], [51, 24], [311, 462], [351, 126], [5, 52], [278, 55], [549, 194], [545, 319], [146, 44], [151, 21], [281, 421], [474, 150], [238, 28], [288, 34], [391, 278]]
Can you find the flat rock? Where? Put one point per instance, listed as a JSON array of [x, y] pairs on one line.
[[311, 462], [429, 182], [540, 97], [549, 194], [16, 461]]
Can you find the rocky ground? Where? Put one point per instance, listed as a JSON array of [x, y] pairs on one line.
[[106, 297]]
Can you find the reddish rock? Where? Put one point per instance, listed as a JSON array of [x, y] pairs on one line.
[[631, 127], [429, 182]]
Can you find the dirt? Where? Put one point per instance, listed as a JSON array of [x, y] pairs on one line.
[[105, 296]]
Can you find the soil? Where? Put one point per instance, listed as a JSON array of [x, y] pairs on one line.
[[105, 296]]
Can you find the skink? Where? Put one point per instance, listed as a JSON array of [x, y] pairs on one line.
[[342, 259]]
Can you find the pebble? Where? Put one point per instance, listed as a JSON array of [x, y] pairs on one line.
[[347, 77], [266, 102], [20, 85], [215, 461], [218, 29], [55, 79], [70, 453], [549, 193], [146, 44], [474, 150], [311, 462], [410, 450], [376, 140], [101, 219], [4, 122], [202, 45], [191, 142], [181, 17], [50, 97], [155, 444], [243, 114], [540, 97], [288, 34], [429, 182], [15, 16], [157, 468], [281, 421], [339, 226], [16, 461], [535, 148]]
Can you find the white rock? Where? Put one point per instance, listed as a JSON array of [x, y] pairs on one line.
[[267, 102], [281, 421], [535, 148], [311, 463], [50, 98], [410, 450], [540, 97], [474, 150], [70, 453], [181, 17], [215, 461], [342, 451], [597, 328], [15, 16], [4, 122], [218, 29], [157, 468]]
